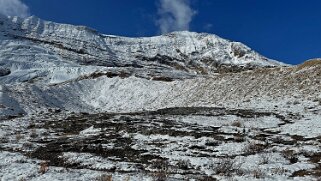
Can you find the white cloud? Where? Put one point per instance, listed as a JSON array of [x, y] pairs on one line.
[[14, 8], [174, 15], [208, 27]]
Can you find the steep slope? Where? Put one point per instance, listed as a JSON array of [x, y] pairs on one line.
[[260, 129], [39, 53], [259, 89], [41, 48]]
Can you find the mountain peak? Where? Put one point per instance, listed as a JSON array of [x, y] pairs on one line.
[[177, 53]]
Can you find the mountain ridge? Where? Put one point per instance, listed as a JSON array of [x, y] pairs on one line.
[[183, 52]]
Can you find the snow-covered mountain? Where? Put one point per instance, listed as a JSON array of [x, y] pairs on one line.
[[35, 48], [183, 103], [36, 53]]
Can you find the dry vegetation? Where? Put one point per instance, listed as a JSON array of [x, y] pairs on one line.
[[310, 63]]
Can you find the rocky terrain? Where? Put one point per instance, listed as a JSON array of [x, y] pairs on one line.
[[79, 105]]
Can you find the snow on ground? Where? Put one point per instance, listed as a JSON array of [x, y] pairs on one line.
[[176, 143], [308, 127], [15, 166], [156, 129], [75, 104]]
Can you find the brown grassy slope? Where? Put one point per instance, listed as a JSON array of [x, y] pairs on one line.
[[302, 81]]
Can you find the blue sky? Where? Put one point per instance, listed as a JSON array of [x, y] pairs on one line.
[[285, 30]]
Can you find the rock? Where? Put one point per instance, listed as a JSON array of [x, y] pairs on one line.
[[4, 71]]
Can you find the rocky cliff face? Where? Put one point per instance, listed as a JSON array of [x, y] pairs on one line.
[[36, 53], [40, 45]]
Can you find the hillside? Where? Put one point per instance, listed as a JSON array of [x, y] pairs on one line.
[[178, 106]]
